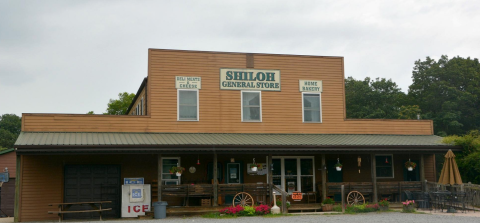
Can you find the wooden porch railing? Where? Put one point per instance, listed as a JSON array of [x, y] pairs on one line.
[[383, 188]]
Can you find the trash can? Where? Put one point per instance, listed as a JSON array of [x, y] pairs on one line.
[[160, 209]]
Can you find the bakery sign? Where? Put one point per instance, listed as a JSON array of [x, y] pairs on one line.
[[310, 86], [249, 79], [188, 82]]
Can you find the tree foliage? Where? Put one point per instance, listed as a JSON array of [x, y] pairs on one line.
[[10, 127], [120, 106], [373, 99], [467, 160], [448, 92]]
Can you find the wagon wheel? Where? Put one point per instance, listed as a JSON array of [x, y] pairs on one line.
[[355, 197], [243, 199]]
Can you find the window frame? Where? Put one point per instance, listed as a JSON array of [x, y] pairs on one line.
[[141, 106], [320, 104], [298, 174], [178, 106], [376, 166], [179, 180], [260, 104]]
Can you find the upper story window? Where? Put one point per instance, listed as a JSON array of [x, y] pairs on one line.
[[187, 101], [251, 106], [312, 107]]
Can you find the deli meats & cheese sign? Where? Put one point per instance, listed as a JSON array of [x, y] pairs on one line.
[[249, 79]]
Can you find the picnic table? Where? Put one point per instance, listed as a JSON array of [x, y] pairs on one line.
[[63, 208]]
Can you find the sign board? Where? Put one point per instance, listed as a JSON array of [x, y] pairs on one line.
[[4, 177], [136, 200], [310, 86], [297, 196], [261, 170], [188, 82], [249, 79], [138, 180]]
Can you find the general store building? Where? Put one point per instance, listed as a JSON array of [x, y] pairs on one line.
[[208, 111]]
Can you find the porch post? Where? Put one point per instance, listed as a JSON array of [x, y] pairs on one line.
[[215, 181], [374, 178], [422, 172], [270, 178], [324, 179], [159, 177], [18, 180]]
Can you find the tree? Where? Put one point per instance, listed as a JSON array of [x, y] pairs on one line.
[[120, 106], [409, 112], [90, 113], [376, 99], [467, 160], [448, 92], [10, 127]]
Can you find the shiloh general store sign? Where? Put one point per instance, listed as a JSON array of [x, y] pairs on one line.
[[188, 82], [310, 86], [249, 79]]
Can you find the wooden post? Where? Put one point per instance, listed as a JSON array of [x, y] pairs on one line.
[[343, 198], [18, 179], [284, 204], [324, 179], [215, 181], [374, 178], [159, 177], [270, 178]]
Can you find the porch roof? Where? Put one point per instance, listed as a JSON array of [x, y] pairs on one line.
[[96, 141]]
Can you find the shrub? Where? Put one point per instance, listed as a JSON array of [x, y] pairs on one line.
[[384, 203], [262, 209], [248, 211], [328, 201], [232, 210], [364, 208]]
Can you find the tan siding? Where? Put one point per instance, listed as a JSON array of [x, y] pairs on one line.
[[9, 160], [220, 110]]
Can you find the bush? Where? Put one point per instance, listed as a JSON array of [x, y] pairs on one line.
[[248, 211], [232, 210], [363, 208], [384, 203], [328, 201], [262, 209]]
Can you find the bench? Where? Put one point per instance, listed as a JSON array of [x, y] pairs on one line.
[[63, 208]]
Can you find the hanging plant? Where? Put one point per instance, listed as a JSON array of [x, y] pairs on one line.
[[178, 170], [338, 166], [254, 166], [410, 165]]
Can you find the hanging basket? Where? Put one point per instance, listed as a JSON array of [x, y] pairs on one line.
[[410, 168], [254, 169], [178, 174], [339, 168]]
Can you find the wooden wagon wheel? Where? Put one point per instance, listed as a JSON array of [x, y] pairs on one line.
[[243, 199], [355, 197]]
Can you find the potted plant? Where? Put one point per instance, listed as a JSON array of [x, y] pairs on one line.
[[383, 204], [178, 170], [328, 204], [338, 166], [410, 165], [408, 206], [254, 167]]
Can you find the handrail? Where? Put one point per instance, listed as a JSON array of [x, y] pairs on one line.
[[284, 198]]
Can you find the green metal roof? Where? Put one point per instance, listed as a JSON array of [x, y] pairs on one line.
[[92, 139], [6, 151]]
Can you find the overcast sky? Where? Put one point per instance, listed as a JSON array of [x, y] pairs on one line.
[[73, 56]]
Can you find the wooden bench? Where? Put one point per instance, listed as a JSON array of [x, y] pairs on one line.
[[63, 208]]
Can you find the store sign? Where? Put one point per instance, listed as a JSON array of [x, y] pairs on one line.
[[297, 196], [249, 79], [310, 86], [127, 181], [188, 82]]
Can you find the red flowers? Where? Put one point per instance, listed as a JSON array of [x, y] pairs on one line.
[[262, 209], [232, 210]]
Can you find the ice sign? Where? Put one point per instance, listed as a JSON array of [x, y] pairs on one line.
[[136, 193], [127, 181]]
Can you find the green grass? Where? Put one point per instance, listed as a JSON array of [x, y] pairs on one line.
[[275, 215], [217, 215]]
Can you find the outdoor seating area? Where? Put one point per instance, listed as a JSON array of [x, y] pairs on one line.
[[451, 201]]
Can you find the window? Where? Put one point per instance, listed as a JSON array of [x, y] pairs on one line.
[[167, 177], [251, 106], [294, 173], [138, 109], [312, 111], [187, 105], [384, 166], [141, 106]]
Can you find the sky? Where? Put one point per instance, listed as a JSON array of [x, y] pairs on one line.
[[73, 56]]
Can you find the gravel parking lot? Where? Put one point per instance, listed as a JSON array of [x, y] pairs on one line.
[[357, 218]]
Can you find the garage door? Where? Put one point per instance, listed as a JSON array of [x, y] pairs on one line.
[[85, 183]]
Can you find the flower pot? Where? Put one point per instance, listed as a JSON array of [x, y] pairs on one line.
[[408, 208], [339, 168], [410, 168], [254, 168], [327, 207], [178, 174], [383, 208]]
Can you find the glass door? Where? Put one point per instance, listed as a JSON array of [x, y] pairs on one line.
[[233, 173], [290, 172]]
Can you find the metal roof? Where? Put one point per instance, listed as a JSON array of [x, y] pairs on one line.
[[4, 151], [97, 139]]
